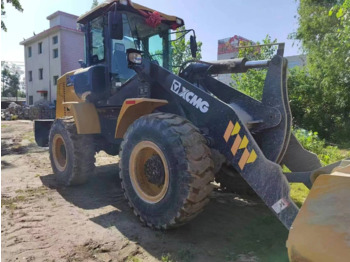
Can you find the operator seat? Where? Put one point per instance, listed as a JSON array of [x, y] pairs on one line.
[[120, 64]]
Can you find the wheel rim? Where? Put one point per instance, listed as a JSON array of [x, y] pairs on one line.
[[150, 187], [59, 152]]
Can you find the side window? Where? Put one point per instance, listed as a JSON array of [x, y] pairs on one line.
[[155, 45], [97, 50], [119, 62]]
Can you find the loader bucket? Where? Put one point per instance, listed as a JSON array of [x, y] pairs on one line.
[[321, 230], [41, 131]]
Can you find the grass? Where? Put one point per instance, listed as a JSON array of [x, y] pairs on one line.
[[29, 136], [23, 195], [298, 193], [326, 153], [4, 126], [133, 259], [260, 235], [185, 255]]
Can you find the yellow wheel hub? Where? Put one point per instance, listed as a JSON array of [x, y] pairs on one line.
[[145, 186], [59, 152]]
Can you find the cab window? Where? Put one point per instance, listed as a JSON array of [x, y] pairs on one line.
[[119, 61], [97, 51]]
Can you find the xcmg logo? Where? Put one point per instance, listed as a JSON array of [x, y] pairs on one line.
[[189, 96]]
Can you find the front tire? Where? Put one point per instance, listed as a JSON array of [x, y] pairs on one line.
[[166, 170], [72, 156]]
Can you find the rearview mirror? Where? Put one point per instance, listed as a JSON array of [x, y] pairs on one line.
[[193, 46], [115, 21]]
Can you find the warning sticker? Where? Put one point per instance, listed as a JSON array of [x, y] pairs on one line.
[[280, 205]]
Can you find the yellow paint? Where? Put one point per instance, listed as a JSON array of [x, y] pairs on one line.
[[130, 112], [252, 157], [236, 129], [65, 94], [85, 117], [321, 230], [244, 143]]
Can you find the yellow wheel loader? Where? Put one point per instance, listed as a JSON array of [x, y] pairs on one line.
[[176, 133]]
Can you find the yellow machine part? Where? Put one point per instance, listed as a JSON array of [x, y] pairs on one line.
[[321, 230], [65, 94], [133, 109], [85, 117]]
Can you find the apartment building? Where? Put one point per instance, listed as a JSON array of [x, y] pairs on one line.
[[50, 54]]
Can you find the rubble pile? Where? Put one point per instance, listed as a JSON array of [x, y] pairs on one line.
[[40, 110]]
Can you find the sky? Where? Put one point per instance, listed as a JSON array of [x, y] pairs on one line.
[[212, 20]]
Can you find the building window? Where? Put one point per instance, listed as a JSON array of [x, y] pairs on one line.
[[30, 100], [55, 53], [40, 48], [29, 51], [44, 96], [55, 80], [40, 73], [30, 76], [55, 40]]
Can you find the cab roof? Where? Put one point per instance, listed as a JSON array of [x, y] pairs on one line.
[[127, 5]]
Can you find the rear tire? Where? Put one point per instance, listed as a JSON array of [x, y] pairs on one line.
[[166, 170], [72, 156]]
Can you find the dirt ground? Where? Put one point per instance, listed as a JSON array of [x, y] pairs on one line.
[[42, 221]]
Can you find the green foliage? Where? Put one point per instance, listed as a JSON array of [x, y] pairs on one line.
[[94, 4], [166, 258], [252, 82], [326, 153], [16, 4], [10, 81], [311, 141], [298, 192], [324, 31], [181, 51]]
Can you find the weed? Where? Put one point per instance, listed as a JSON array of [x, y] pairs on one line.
[[133, 259], [4, 126], [10, 203], [49, 199], [166, 258], [29, 136], [14, 117]]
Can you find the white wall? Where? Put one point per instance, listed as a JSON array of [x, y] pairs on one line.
[[51, 66]]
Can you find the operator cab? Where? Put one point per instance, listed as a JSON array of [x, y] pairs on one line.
[[110, 30]]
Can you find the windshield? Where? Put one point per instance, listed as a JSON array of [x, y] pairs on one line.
[[154, 42]]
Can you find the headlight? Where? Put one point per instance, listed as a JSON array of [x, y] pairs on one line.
[[135, 58]]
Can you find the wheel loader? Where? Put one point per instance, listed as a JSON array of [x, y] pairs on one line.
[[177, 133]]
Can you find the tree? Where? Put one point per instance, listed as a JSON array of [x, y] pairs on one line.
[[324, 34], [16, 4], [252, 82], [94, 4], [10, 81], [181, 51]]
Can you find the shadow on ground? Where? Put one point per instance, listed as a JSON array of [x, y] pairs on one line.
[[227, 228]]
